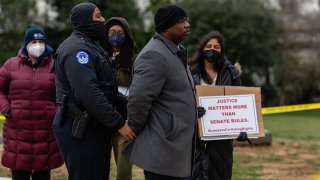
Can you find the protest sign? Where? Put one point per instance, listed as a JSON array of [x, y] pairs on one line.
[[229, 111]]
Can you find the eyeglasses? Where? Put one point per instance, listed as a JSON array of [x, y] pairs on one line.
[[113, 33]]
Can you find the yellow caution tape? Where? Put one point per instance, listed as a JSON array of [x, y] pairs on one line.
[[290, 108], [274, 110]]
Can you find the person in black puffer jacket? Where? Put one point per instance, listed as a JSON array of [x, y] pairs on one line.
[[210, 67]]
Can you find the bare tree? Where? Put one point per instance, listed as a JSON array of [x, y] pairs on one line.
[[298, 78]]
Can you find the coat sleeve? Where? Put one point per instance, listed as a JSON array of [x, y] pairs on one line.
[[84, 83], [4, 89], [148, 80]]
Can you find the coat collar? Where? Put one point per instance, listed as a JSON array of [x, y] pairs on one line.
[[171, 46]]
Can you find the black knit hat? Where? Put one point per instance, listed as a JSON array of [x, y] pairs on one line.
[[34, 32], [82, 13], [166, 16]]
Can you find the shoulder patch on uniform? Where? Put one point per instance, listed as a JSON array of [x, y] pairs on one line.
[[82, 57]]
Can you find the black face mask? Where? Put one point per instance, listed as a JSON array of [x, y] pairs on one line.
[[97, 30], [81, 18], [212, 56], [93, 29]]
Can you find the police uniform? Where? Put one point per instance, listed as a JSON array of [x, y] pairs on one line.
[[86, 77]]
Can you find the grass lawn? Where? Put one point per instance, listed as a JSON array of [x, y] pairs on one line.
[[294, 154], [303, 125], [1, 124]]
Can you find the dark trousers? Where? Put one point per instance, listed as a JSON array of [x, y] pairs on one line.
[[87, 158], [220, 154], [25, 175], [153, 176]]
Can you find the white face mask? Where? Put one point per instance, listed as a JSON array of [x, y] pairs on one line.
[[36, 49]]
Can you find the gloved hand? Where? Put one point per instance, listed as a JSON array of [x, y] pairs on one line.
[[200, 111], [7, 116], [243, 136]]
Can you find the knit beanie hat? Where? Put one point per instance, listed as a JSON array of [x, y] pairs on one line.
[[82, 13], [166, 16], [34, 32]]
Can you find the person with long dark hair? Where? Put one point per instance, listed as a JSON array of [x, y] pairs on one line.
[[122, 52], [210, 67]]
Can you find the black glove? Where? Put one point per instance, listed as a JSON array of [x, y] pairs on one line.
[[7, 116], [243, 136], [200, 111]]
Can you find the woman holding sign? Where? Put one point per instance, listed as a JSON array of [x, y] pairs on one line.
[[210, 67]]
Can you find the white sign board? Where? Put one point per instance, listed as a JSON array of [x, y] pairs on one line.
[[228, 115]]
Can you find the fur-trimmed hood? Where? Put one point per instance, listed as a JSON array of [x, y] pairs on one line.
[[238, 67]]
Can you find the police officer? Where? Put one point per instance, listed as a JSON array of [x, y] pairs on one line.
[[85, 77]]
